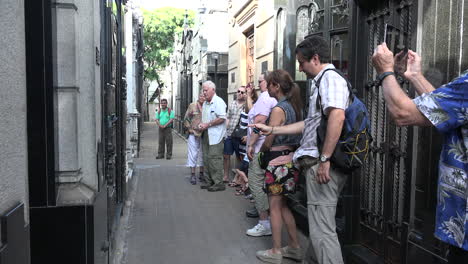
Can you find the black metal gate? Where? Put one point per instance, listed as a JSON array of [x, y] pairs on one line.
[[398, 186], [113, 107], [385, 180]]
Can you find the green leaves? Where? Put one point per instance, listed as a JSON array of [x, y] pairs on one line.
[[160, 28]]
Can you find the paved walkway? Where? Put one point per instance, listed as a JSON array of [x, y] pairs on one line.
[[174, 222]]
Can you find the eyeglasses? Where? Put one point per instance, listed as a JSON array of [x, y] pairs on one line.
[[241, 92]]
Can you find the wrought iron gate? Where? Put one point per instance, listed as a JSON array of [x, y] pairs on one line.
[[385, 179], [398, 184], [113, 107]]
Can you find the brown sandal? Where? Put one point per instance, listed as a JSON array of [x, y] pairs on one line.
[[242, 189]]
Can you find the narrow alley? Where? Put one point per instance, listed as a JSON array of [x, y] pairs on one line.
[[365, 104], [172, 221]]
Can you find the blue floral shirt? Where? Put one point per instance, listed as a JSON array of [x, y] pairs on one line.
[[447, 109]]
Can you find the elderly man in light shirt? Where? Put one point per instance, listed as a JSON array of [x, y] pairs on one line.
[[214, 128]]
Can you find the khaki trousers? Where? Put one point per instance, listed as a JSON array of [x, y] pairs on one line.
[[212, 161], [256, 181], [321, 207]]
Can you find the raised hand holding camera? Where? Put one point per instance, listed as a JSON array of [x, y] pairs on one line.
[[261, 129]]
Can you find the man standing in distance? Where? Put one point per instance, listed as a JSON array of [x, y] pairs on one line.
[[164, 119], [213, 127]]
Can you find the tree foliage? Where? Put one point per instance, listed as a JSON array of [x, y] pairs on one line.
[[160, 27]]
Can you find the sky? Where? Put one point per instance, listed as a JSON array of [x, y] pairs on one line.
[[186, 4]]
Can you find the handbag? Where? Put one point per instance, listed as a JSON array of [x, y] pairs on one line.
[[238, 131], [264, 158]]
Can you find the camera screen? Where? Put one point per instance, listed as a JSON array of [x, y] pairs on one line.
[[396, 39], [397, 42]]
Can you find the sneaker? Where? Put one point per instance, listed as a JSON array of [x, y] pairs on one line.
[[259, 230], [193, 179], [159, 157], [270, 257], [201, 177], [292, 253], [205, 186], [216, 188]]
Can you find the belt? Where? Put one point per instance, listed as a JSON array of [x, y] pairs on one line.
[[281, 152]]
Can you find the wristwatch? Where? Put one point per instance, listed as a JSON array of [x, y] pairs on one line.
[[383, 75], [323, 158]]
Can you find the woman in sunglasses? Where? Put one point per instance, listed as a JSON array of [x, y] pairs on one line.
[[281, 176]]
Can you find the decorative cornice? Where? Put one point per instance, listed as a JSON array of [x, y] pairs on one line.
[[234, 43], [242, 8], [65, 5], [246, 12], [67, 88], [264, 21], [73, 176], [265, 54]]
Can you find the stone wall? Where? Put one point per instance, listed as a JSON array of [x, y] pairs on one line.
[[443, 38], [78, 95], [13, 133]]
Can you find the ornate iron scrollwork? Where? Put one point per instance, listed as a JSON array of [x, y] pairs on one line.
[[403, 4], [342, 11], [338, 42], [302, 21], [314, 17]]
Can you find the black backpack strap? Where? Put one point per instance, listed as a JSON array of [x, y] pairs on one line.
[[318, 103]]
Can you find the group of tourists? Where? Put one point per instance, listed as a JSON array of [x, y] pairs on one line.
[[275, 144]]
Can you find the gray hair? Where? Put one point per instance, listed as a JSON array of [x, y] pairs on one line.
[[210, 84]]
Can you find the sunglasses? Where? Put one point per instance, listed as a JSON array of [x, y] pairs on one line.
[[241, 92]]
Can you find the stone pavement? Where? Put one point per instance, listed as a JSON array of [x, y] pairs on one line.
[[174, 222]]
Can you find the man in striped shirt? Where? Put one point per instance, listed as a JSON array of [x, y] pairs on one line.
[[232, 141], [324, 183]]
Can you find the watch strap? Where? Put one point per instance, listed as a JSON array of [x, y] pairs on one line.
[[383, 75], [326, 158]]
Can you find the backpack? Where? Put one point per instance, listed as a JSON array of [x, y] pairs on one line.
[[168, 111], [354, 142]]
